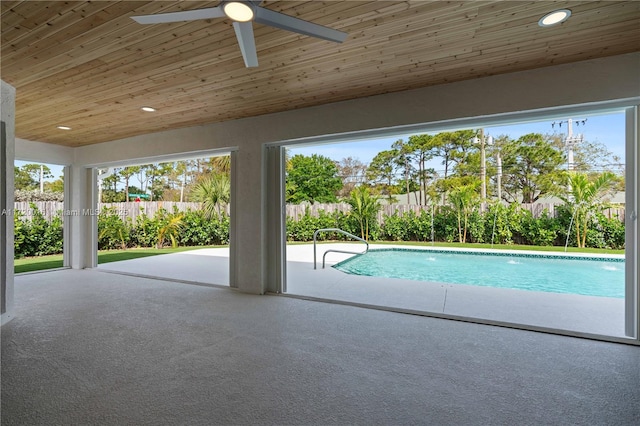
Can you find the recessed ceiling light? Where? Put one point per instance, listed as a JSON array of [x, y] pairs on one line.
[[148, 109], [555, 17], [64, 127], [239, 12]]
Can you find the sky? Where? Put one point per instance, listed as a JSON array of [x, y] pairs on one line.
[[608, 129]]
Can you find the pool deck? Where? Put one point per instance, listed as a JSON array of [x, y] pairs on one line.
[[582, 314]]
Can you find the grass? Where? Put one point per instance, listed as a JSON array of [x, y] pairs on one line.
[[31, 264], [41, 263]]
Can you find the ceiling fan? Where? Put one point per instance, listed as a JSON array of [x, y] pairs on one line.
[[242, 13]]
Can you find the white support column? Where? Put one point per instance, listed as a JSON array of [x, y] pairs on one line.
[[247, 233], [66, 219], [233, 252], [632, 208], [275, 220], [82, 217], [7, 156]]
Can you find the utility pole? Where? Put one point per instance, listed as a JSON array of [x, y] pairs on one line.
[[499, 176], [571, 140], [483, 166], [41, 178], [483, 163]]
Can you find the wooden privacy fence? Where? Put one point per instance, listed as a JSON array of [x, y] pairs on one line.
[[133, 210], [298, 210]]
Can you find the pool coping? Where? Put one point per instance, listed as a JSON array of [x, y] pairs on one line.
[[618, 258]]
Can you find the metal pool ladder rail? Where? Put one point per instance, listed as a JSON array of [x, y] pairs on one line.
[[315, 234]]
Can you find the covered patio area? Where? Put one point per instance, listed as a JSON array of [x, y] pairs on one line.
[[588, 315]]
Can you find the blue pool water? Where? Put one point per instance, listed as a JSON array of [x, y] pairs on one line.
[[591, 276]]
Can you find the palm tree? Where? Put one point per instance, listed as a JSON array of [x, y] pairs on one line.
[[585, 196], [364, 208], [212, 191], [170, 226], [463, 200], [222, 164]]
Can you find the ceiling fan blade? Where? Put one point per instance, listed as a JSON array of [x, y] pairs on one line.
[[289, 23], [186, 15], [244, 33]]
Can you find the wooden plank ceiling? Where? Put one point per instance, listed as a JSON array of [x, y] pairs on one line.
[[87, 65]]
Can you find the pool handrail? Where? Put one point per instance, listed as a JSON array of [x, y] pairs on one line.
[[315, 234]]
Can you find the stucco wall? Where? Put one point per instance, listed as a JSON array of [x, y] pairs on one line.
[[7, 153]]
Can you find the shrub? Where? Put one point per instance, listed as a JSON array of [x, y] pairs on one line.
[[36, 195], [37, 237], [304, 228], [446, 225], [112, 231], [394, 227], [476, 227], [542, 231], [144, 232]]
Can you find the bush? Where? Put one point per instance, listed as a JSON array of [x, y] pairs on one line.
[[112, 231], [34, 195], [445, 224], [542, 231], [198, 231], [395, 227], [37, 237], [144, 232], [406, 227], [303, 229], [613, 231], [500, 224], [476, 227]]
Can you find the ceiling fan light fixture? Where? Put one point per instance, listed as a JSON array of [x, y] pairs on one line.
[[238, 11], [148, 109], [64, 127], [555, 17]]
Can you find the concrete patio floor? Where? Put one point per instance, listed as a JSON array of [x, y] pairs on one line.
[[576, 313]]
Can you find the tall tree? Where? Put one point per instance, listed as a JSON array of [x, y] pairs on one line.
[[126, 173], [110, 193], [422, 147], [531, 168], [352, 172], [31, 176], [452, 147], [590, 156], [313, 179], [403, 158], [22, 180], [381, 171], [55, 186]]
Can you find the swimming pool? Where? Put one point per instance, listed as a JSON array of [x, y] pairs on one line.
[[592, 276]]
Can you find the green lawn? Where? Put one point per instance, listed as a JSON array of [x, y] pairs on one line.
[[41, 263]]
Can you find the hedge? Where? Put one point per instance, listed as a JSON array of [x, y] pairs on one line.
[[500, 224]]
